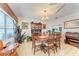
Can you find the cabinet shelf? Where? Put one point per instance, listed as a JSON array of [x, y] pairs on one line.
[[36, 28]]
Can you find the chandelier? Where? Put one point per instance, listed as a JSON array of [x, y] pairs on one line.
[[44, 14]]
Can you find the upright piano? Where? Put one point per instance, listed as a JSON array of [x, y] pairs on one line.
[[72, 38]]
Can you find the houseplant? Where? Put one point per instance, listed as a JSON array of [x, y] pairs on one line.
[[19, 36], [29, 38]]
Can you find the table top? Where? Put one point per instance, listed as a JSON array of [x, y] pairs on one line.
[[43, 36]]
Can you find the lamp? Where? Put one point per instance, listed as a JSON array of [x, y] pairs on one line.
[[45, 14]]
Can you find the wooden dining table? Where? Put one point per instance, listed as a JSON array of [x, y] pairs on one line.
[[43, 38], [49, 41]]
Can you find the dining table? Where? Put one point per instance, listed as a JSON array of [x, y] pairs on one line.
[[48, 40], [42, 37]]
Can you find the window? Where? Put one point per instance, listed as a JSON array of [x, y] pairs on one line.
[[2, 19], [2, 34], [9, 22], [2, 26], [7, 26]]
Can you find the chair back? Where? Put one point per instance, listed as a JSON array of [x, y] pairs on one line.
[[57, 36], [50, 39]]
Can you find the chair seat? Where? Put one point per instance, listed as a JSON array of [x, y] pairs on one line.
[[38, 43], [48, 44]]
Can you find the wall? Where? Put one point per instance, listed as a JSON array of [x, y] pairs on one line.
[[66, 18], [52, 22], [60, 21], [29, 20]]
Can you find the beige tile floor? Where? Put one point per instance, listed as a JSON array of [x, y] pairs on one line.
[[66, 50]]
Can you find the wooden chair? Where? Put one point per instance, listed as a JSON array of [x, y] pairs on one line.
[[36, 43], [49, 44], [57, 37]]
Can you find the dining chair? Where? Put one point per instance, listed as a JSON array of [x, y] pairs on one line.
[[57, 40], [36, 43], [49, 44]]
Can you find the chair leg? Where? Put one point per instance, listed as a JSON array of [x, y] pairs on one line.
[[34, 50], [32, 46], [56, 47], [48, 51], [59, 45], [53, 48]]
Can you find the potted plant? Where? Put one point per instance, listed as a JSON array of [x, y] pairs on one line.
[[29, 38], [22, 38], [19, 36]]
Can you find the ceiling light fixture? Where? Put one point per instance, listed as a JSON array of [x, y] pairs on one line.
[[45, 14]]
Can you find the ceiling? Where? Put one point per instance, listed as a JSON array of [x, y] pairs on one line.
[[33, 10]]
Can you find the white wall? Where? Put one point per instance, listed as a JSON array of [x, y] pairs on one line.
[[51, 23], [29, 20], [20, 23], [61, 21]]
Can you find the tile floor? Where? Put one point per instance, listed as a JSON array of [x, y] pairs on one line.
[[66, 50]]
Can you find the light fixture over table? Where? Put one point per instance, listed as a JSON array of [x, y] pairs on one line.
[[44, 14]]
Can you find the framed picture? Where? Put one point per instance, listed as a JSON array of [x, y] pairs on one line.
[[71, 24], [24, 25], [57, 28], [44, 26]]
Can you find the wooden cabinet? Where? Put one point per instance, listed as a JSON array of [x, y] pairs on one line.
[[72, 38], [36, 28]]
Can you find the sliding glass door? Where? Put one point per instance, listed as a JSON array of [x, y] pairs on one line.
[[2, 26], [7, 26]]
